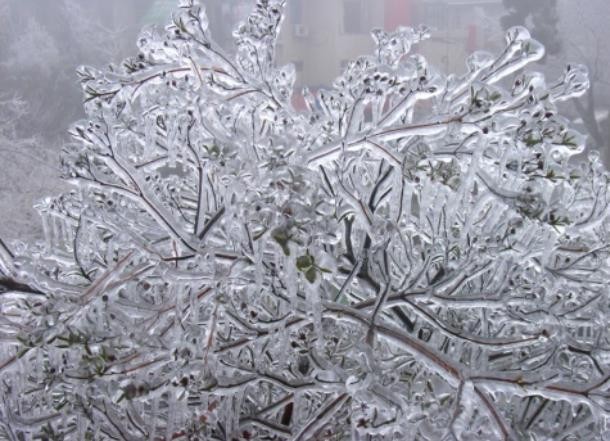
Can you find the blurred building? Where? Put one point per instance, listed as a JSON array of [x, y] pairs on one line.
[[159, 12], [320, 36]]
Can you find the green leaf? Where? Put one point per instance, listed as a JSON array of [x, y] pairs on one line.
[[530, 141], [281, 237], [22, 352], [60, 405], [304, 263], [569, 141], [495, 96], [213, 150], [310, 275]]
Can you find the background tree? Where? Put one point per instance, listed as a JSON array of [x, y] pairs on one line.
[[416, 256], [587, 45], [41, 45], [17, 150]]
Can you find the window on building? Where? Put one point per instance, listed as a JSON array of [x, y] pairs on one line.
[[354, 17], [434, 14], [455, 18], [298, 65], [295, 11]]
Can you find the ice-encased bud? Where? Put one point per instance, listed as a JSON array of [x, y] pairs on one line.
[[392, 46], [479, 60], [573, 84], [517, 34]]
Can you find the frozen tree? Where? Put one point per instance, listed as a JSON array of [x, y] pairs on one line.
[[415, 257]]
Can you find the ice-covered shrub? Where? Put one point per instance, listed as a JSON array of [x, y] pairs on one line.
[[415, 257]]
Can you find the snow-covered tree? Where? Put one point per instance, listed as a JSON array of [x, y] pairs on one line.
[[415, 257]]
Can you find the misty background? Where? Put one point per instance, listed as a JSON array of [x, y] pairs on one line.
[[43, 41]]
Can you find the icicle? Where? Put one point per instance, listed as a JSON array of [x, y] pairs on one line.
[[171, 416], [236, 409], [292, 281], [548, 246], [283, 339], [150, 133], [97, 428], [401, 198], [110, 250], [310, 100], [314, 302], [68, 231], [173, 143], [56, 232], [46, 230], [81, 426], [154, 412], [229, 415], [174, 293], [298, 408], [258, 265]]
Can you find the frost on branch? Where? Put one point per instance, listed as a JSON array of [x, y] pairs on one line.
[[416, 256]]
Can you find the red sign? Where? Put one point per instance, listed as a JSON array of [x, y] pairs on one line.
[[397, 13]]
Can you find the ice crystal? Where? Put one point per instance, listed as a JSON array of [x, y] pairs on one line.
[[416, 256]]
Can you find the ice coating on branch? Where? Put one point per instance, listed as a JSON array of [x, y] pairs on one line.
[[415, 257]]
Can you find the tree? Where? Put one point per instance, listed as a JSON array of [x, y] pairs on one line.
[[414, 257]]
